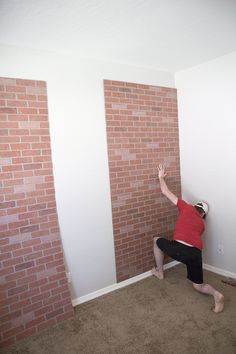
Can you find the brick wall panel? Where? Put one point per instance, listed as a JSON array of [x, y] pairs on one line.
[[32, 265], [142, 131]]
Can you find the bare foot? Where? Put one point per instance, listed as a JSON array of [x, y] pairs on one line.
[[219, 302], [157, 273]]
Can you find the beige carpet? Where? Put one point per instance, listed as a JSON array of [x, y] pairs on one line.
[[147, 317]]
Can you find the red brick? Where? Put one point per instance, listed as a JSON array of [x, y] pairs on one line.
[[30, 139], [22, 252], [27, 280], [54, 313], [14, 182], [27, 111], [134, 137], [25, 265], [43, 246], [7, 95], [29, 293], [49, 286], [29, 228], [17, 118], [11, 247], [15, 276], [5, 311], [32, 166], [42, 296], [12, 261], [17, 224], [8, 301], [26, 97], [32, 307], [32, 262], [18, 131], [43, 310], [21, 160], [19, 304], [16, 103], [7, 205], [3, 241], [55, 263], [43, 111], [5, 255], [13, 332], [17, 290], [15, 196], [36, 269], [8, 110], [31, 243], [39, 220], [39, 132], [65, 294], [6, 271], [30, 152], [42, 98], [3, 117], [33, 255], [28, 201], [22, 82], [59, 290], [38, 117], [40, 104], [65, 316], [41, 84], [7, 285], [63, 304], [35, 322], [21, 146], [58, 277], [38, 283], [44, 260], [27, 215]]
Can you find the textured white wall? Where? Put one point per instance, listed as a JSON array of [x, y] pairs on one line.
[[207, 125], [79, 151]]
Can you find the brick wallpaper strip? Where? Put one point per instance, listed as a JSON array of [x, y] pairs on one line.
[[34, 293], [142, 131]]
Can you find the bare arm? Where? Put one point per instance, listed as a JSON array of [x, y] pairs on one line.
[[165, 190]]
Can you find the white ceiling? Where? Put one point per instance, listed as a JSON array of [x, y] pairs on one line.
[[162, 34]]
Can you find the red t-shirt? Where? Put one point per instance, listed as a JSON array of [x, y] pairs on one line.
[[190, 226]]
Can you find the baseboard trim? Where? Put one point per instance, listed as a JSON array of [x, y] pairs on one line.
[[116, 286], [110, 288], [220, 271]]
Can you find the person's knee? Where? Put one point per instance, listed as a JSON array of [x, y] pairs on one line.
[[155, 240]]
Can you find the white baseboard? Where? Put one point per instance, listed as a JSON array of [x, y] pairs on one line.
[[116, 286], [220, 271], [110, 288]]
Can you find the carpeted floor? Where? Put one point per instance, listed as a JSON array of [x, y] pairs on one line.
[[148, 317]]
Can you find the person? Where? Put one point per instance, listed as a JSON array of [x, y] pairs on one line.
[[186, 246]]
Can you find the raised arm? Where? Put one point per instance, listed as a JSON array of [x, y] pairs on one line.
[[165, 190]]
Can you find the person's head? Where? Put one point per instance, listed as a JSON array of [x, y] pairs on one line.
[[202, 208]]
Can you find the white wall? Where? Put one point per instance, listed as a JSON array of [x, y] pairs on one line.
[[79, 150], [207, 125]]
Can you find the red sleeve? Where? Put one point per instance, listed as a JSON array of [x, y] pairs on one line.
[[181, 204]]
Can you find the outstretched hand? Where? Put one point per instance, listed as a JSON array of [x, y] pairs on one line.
[[161, 171]]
